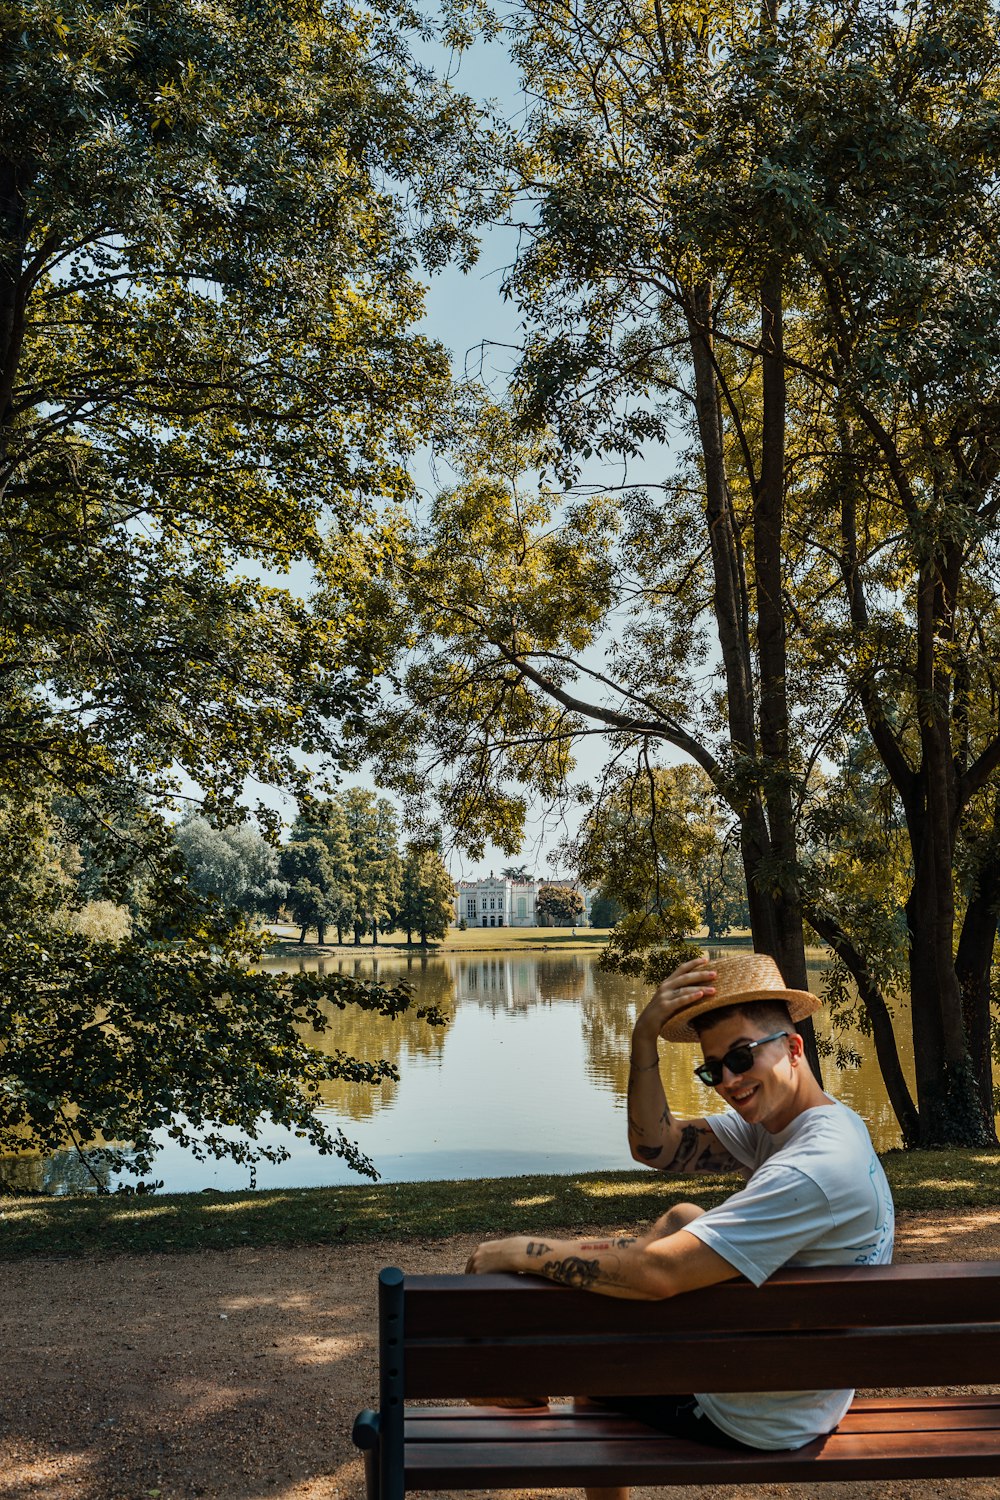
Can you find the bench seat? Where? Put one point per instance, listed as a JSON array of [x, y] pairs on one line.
[[898, 1437]]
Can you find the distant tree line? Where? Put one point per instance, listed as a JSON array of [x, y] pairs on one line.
[[342, 868]]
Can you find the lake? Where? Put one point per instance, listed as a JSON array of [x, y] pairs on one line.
[[529, 1075]]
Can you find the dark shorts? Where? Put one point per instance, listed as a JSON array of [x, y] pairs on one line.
[[680, 1416]]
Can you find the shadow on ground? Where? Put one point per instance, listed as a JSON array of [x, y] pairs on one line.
[[236, 1375]]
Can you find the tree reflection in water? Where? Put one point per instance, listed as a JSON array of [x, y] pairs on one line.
[[362, 1034], [63, 1172]]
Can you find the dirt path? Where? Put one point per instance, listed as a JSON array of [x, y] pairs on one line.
[[236, 1375]]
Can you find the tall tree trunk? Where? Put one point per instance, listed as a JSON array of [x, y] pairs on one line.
[[883, 1034], [772, 660], [730, 606], [321, 934], [973, 965], [374, 932], [772, 916], [357, 934], [947, 1094], [302, 936], [768, 527]]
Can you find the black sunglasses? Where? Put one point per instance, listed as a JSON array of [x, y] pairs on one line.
[[737, 1060]]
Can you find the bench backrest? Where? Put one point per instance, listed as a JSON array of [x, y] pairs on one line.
[[829, 1327]]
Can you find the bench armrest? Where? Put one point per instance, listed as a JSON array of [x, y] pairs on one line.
[[367, 1430]]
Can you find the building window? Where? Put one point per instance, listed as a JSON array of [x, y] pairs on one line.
[[522, 906]]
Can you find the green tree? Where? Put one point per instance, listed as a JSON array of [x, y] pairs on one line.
[[315, 897], [236, 866], [560, 905], [721, 890], [390, 868], [206, 296], [639, 847], [427, 896], [372, 832], [323, 822], [210, 225], [605, 911]]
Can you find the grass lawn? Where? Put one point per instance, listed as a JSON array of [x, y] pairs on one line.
[[476, 939], [921, 1181], [473, 940]]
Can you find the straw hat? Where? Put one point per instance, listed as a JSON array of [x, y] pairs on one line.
[[738, 981]]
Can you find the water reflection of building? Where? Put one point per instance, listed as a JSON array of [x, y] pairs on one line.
[[495, 983], [517, 984]]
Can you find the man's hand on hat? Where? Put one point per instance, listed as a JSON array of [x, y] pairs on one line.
[[688, 983]]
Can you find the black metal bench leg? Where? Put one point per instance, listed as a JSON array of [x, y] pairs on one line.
[[367, 1436]]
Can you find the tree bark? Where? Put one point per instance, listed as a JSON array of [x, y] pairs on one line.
[[947, 1093], [772, 656], [775, 907], [973, 966], [883, 1034]]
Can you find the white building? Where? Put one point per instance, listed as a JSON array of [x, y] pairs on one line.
[[499, 902], [496, 902]]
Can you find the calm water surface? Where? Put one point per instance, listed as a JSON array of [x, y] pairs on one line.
[[529, 1075]]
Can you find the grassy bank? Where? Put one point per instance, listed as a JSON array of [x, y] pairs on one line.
[[921, 1181], [285, 943], [473, 940]]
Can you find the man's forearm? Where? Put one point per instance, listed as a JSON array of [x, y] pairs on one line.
[[614, 1267], [653, 1134]]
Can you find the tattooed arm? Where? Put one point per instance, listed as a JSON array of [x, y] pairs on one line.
[[619, 1267], [655, 1136]]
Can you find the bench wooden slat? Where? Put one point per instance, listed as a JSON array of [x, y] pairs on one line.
[[870, 1404], [674, 1364], [566, 1424], [462, 1307], [663, 1460]]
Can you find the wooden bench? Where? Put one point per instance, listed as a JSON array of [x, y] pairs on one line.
[[865, 1326]]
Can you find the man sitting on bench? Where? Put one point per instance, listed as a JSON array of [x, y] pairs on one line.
[[816, 1194]]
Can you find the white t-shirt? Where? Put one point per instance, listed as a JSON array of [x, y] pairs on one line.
[[817, 1196]]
